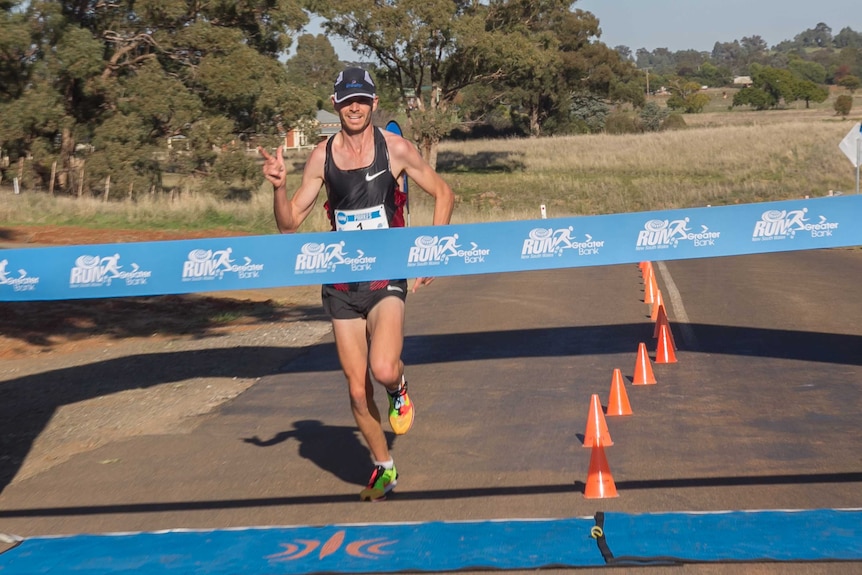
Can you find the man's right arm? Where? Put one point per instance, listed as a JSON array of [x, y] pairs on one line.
[[291, 212]]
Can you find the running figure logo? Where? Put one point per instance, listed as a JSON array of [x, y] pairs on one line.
[[436, 250], [205, 265], [320, 257], [97, 271], [663, 234], [548, 242], [783, 224]]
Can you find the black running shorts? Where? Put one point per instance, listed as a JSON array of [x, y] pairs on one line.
[[347, 304]]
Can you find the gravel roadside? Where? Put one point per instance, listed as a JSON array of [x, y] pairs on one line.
[[78, 375]]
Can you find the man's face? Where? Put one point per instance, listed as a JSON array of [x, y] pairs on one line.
[[355, 113]]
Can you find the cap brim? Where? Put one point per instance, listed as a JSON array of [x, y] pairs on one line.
[[338, 99]]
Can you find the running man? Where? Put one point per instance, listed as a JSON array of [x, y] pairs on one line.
[[360, 167]]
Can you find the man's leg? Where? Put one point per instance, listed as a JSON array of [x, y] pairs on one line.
[[386, 332], [351, 341]]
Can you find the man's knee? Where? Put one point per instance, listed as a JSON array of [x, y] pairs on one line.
[[386, 371]]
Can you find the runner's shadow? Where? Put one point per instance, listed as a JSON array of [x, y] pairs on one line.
[[335, 449]]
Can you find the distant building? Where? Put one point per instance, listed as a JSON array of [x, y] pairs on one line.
[[325, 124], [181, 142], [743, 81]]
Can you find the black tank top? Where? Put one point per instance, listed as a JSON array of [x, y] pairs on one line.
[[364, 187]]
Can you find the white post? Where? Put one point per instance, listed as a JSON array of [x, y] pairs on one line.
[[15, 185], [544, 211], [858, 160]]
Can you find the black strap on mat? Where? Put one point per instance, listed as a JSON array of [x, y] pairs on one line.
[[597, 532]]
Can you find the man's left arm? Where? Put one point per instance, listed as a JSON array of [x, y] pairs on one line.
[[424, 175]]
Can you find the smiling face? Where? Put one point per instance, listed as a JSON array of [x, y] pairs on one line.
[[355, 113]]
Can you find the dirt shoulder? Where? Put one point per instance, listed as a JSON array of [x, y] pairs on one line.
[[60, 398]]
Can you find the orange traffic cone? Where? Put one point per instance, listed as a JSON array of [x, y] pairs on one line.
[[646, 268], [597, 428], [650, 287], [661, 317], [659, 302], [618, 401], [663, 321], [600, 483], [643, 368], [664, 351]]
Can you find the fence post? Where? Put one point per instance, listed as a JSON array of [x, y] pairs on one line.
[[53, 175]]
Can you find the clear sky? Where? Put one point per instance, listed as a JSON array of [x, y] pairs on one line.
[[699, 24]]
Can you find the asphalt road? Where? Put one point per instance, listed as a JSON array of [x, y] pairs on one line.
[[760, 412]]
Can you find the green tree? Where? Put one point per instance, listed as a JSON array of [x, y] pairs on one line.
[[807, 70], [847, 38], [754, 97], [428, 50], [158, 69], [778, 84], [553, 57], [713, 76], [16, 53], [314, 66], [652, 117], [851, 82], [589, 113], [536, 54], [843, 104], [808, 91], [686, 96], [818, 37]]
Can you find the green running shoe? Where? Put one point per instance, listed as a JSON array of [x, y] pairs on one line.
[[382, 482], [401, 410]]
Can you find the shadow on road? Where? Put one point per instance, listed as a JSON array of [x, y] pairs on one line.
[[29, 402], [431, 495], [334, 449]]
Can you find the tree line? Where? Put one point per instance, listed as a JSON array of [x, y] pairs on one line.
[[92, 91], [814, 55]]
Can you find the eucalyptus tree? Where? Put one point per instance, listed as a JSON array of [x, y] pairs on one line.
[[314, 66], [427, 50], [123, 76], [535, 54], [554, 58]]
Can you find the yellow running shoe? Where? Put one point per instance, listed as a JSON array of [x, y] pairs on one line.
[[382, 482], [401, 410]]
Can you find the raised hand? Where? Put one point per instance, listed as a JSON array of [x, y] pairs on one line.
[[273, 167]]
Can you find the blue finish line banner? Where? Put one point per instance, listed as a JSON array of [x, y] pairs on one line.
[[630, 539], [241, 263]]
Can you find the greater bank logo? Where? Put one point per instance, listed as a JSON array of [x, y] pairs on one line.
[[315, 258], [436, 250], [101, 271], [208, 265], [550, 242], [21, 283], [664, 234], [784, 224]]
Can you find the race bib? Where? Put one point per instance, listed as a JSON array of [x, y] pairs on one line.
[[364, 219]]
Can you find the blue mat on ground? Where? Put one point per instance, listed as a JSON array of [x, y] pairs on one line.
[[810, 535], [607, 539]]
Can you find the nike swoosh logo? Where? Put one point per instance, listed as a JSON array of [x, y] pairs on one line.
[[369, 177], [394, 288]]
